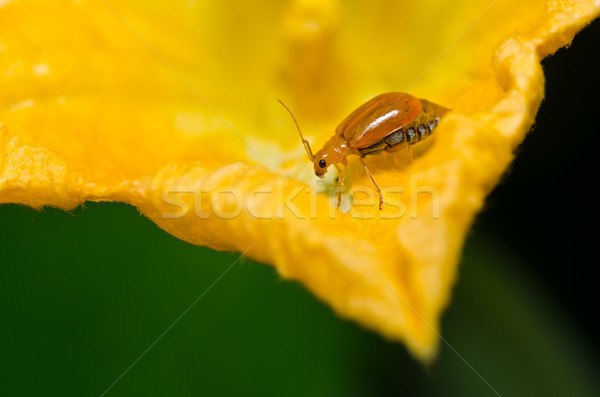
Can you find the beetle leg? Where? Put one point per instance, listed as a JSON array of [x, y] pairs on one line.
[[372, 178], [337, 167], [340, 181], [373, 149], [396, 148]]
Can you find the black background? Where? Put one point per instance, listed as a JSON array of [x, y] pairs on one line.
[[547, 205]]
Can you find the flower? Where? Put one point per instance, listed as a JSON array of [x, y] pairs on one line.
[[172, 108]]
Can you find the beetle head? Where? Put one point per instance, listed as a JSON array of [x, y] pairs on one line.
[[321, 163], [334, 151]]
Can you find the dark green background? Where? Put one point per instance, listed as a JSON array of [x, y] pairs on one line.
[[84, 294]]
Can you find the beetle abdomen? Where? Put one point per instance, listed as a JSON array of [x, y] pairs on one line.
[[395, 138], [410, 135]]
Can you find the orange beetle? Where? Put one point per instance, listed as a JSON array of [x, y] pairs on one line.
[[389, 122]]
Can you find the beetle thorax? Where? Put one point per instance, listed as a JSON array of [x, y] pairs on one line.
[[334, 151]]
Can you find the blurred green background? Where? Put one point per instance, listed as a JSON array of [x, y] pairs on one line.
[[84, 294]]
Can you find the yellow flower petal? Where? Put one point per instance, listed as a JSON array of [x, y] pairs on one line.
[[172, 108]]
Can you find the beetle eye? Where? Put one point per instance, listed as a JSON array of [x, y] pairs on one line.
[[322, 163]]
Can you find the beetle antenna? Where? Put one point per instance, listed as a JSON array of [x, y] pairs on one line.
[[304, 141]]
